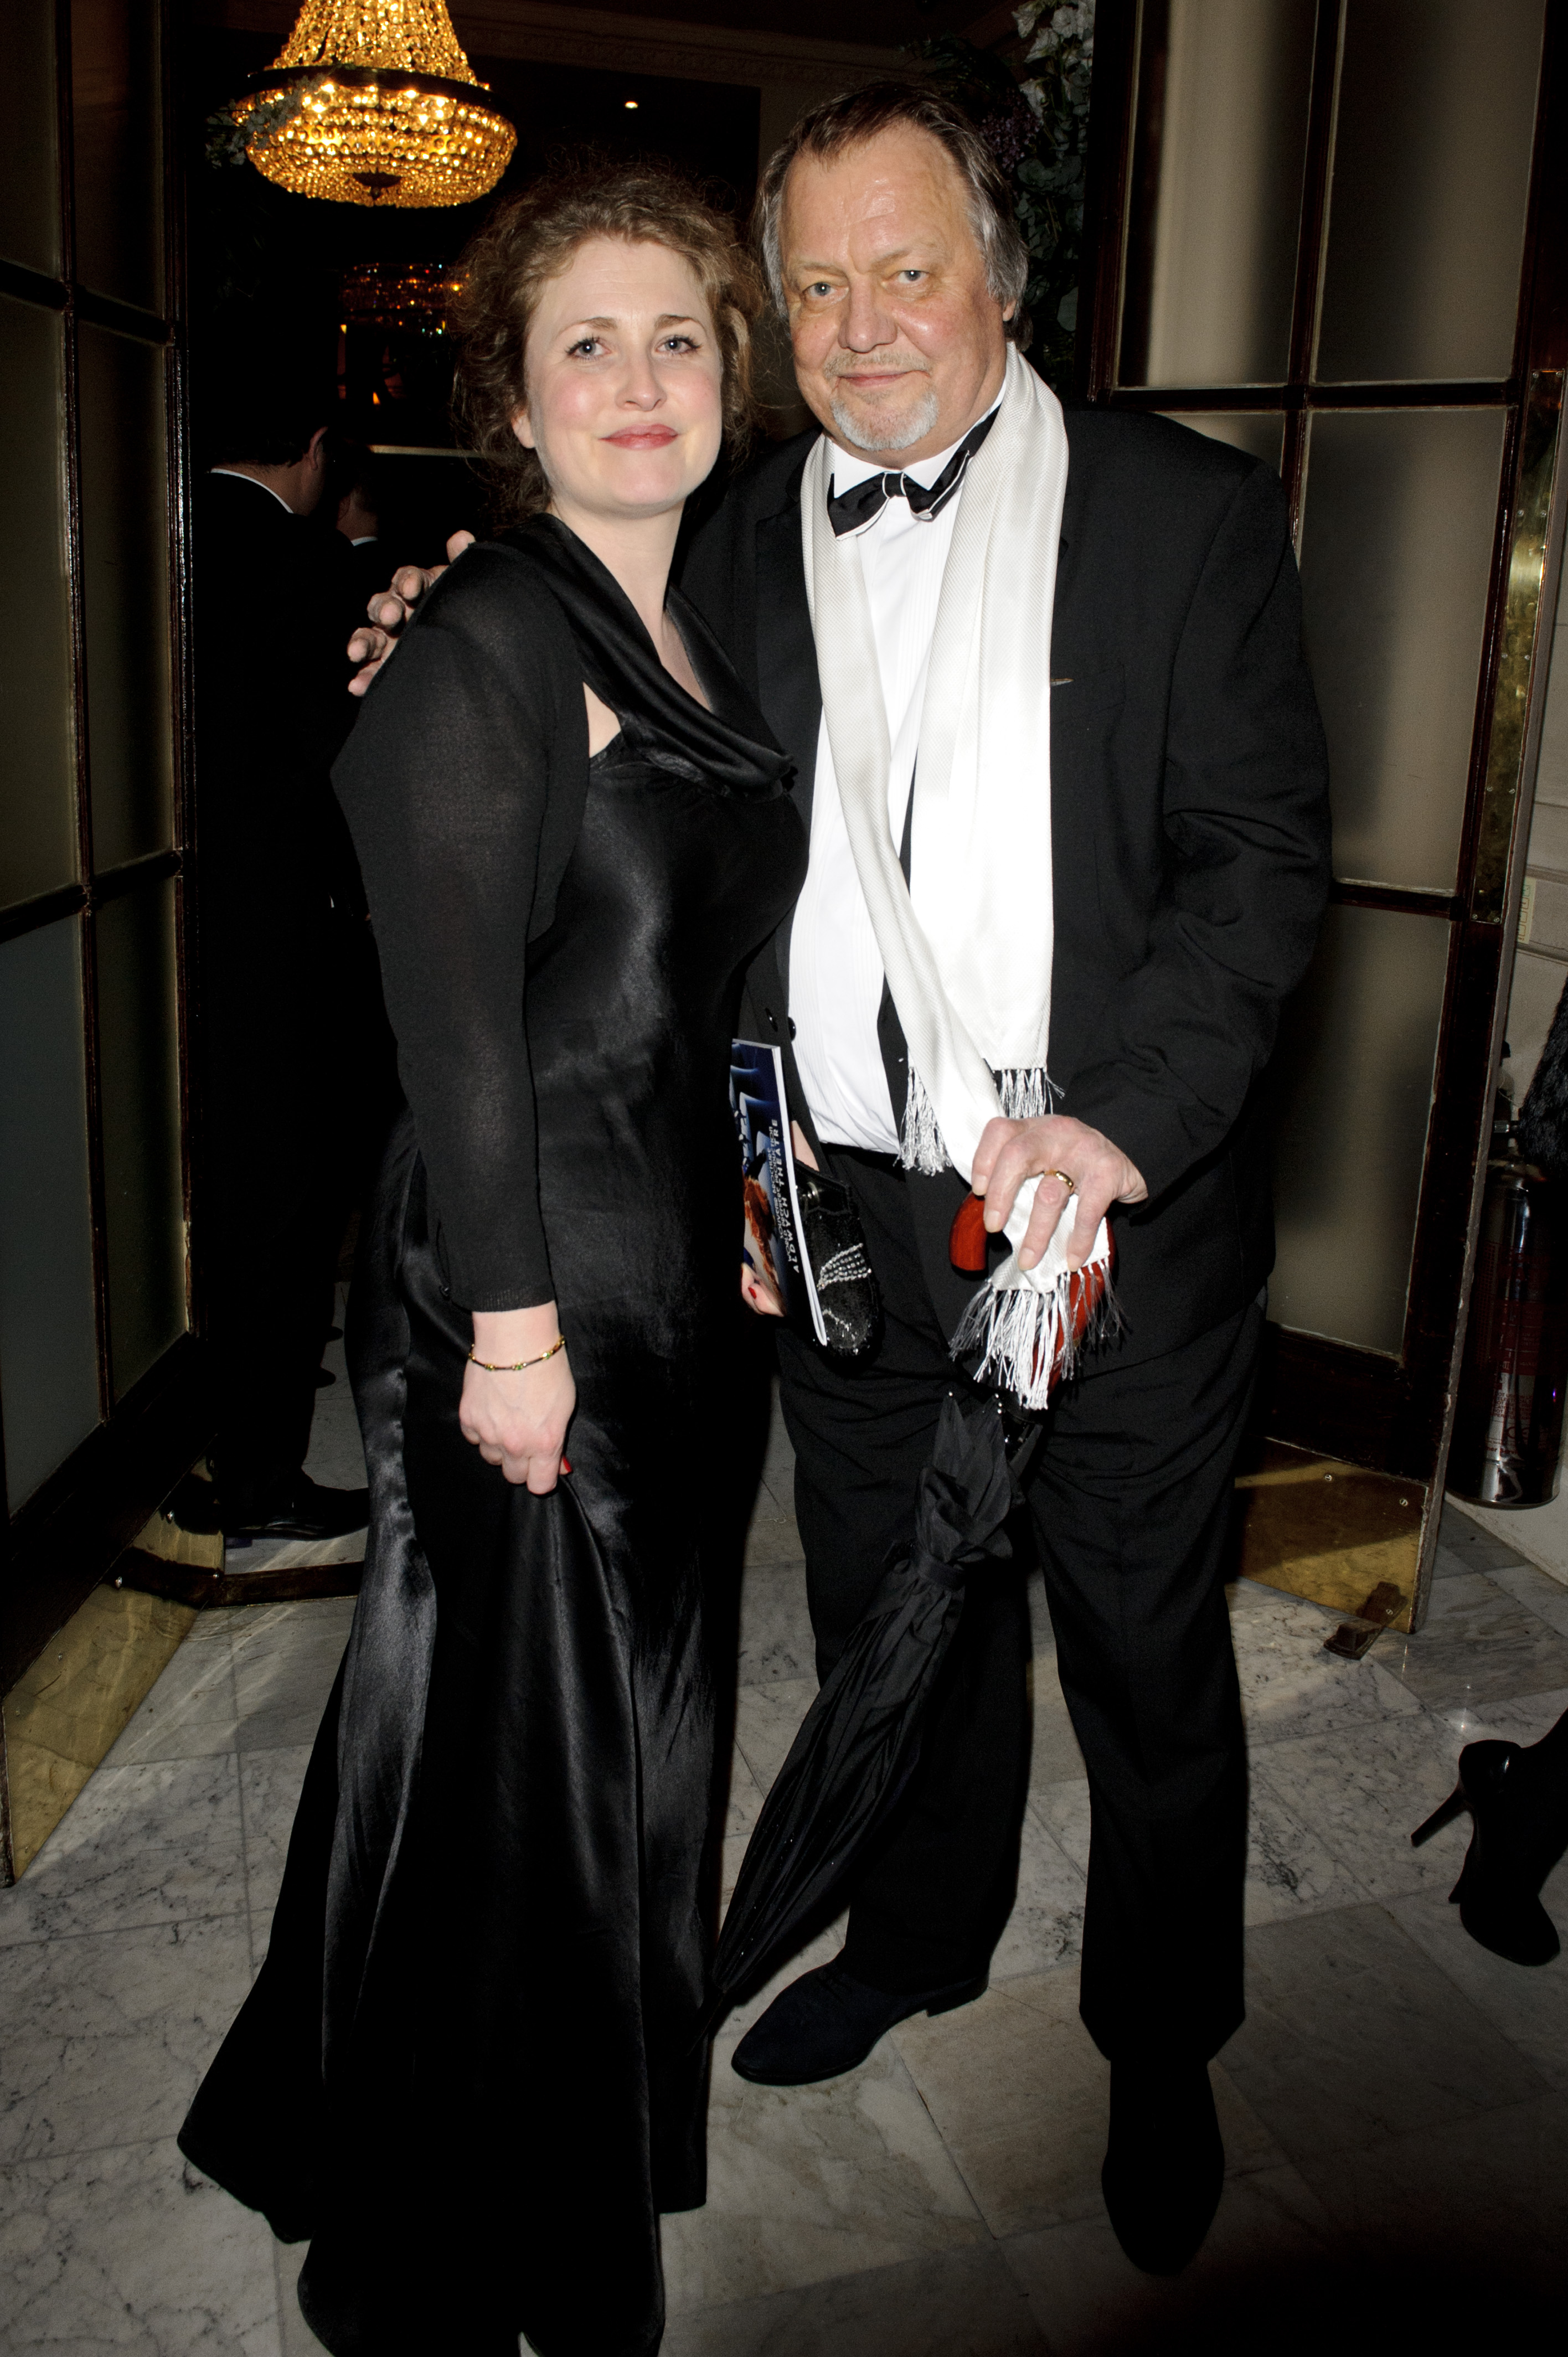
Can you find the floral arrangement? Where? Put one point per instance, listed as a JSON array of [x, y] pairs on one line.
[[1037, 128]]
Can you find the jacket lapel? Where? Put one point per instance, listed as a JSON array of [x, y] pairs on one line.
[[788, 687]]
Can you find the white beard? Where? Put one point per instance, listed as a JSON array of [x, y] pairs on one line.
[[872, 439]]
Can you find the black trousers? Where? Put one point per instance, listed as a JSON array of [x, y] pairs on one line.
[[1130, 1499]]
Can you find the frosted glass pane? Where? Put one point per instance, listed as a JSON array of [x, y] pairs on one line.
[[1223, 109], [29, 163], [124, 538], [1431, 172], [138, 1062], [37, 725], [1260, 432], [1352, 1080], [116, 109], [49, 1327], [1396, 548]]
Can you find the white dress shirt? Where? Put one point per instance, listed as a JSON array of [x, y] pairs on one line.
[[237, 475], [835, 970]]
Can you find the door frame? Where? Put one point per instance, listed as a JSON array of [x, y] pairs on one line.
[[62, 1541], [1336, 1400]]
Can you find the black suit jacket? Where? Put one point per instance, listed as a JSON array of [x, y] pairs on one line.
[[274, 598], [1189, 827]]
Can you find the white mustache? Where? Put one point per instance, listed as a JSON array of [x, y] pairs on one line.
[[853, 362]]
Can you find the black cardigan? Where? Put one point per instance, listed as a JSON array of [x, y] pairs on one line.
[[1189, 829], [464, 784]]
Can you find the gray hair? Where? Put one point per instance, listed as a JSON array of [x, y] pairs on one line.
[[849, 121]]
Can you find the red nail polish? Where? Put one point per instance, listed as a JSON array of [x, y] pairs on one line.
[[565, 1465]]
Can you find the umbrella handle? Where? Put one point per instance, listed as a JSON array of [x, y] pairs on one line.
[[967, 1239]]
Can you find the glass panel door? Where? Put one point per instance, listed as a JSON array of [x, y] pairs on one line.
[[101, 1399], [1336, 232]]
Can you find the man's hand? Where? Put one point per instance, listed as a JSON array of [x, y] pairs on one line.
[[388, 610], [1012, 1151]]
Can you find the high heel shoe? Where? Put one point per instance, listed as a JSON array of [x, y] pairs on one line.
[[1520, 1832]]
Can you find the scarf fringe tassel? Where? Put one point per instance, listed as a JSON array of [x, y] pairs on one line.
[[1027, 1094], [1026, 1341]]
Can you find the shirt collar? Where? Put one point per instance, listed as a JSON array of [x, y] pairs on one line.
[[851, 467], [235, 476]]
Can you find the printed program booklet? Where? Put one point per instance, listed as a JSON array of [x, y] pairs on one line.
[[773, 1245]]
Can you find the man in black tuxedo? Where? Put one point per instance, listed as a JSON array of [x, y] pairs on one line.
[[1190, 835], [282, 950]]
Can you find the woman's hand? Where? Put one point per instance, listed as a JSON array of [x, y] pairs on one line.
[[519, 1421], [757, 1295]]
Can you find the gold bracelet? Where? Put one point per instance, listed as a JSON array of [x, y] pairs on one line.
[[516, 1365]]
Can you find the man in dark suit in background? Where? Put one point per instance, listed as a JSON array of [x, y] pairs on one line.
[[281, 941]]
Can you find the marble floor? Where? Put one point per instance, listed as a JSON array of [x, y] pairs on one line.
[[1395, 2108]]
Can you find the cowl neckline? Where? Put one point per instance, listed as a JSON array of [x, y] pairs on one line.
[[730, 748]]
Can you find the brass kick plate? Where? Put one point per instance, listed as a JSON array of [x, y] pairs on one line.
[[1332, 1532]]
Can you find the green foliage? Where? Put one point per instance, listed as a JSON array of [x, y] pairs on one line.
[[1037, 128]]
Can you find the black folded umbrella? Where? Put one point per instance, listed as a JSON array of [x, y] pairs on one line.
[[861, 1736]]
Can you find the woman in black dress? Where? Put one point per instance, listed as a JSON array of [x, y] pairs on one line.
[[471, 2073]]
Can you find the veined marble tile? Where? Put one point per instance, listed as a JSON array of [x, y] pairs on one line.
[[286, 1658], [1089, 2298], [1472, 1547], [1537, 1591], [269, 1784], [1062, 1808], [805, 2183], [298, 2339], [149, 1845], [1289, 1686], [261, 1933], [1525, 1721], [1289, 1868], [1055, 1758], [1020, 2095], [107, 2034], [1363, 1790], [1529, 2006], [743, 1806], [131, 2250], [1488, 2203], [772, 1536], [963, 2304], [1045, 1636], [190, 1710], [775, 1624], [1352, 2033], [1479, 1645], [1046, 1927], [767, 1718]]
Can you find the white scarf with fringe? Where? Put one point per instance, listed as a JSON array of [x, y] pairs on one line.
[[967, 942]]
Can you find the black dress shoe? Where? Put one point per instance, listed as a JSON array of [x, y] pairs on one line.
[[1165, 2165], [827, 2021], [302, 1509]]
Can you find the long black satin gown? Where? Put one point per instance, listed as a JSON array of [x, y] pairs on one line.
[[470, 2072]]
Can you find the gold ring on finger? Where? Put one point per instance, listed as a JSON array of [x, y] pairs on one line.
[[1069, 1182]]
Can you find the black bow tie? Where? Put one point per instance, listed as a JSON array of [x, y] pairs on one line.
[[847, 511]]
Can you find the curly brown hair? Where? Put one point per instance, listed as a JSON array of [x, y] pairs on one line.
[[532, 239]]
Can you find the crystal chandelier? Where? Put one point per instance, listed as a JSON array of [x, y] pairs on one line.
[[373, 101]]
